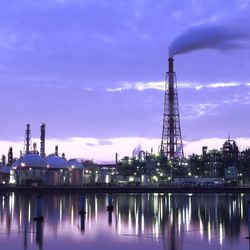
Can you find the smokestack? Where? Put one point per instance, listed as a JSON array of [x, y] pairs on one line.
[[3, 160], [171, 142], [34, 148], [116, 161], [56, 150], [27, 132], [42, 140], [116, 158], [170, 65]]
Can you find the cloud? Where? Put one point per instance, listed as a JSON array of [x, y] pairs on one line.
[[213, 143], [87, 89], [222, 85], [104, 142], [40, 54], [101, 150], [193, 111], [100, 142], [141, 86], [124, 86], [104, 150]]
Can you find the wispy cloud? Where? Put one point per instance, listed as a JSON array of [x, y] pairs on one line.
[[141, 86], [222, 85], [104, 150], [87, 89], [124, 86], [197, 110], [89, 148]]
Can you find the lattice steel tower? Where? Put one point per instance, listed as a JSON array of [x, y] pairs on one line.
[[171, 141]]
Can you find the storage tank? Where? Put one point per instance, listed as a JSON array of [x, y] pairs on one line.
[[76, 172], [58, 170], [30, 169]]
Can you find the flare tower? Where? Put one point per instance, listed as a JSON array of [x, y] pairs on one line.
[[171, 141]]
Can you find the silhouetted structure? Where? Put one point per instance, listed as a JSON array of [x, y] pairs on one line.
[[171, 142], [42, 140], [27, 139]]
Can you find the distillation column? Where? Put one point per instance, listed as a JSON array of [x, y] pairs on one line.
[[42, 140], [27, 139]]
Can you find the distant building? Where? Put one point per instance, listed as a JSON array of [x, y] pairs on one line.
[[230, 153], [231, 173], [30, 169], [107, 173]]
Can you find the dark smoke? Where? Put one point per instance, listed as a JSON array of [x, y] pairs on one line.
[[209, 36]]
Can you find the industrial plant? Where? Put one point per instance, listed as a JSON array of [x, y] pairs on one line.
[[168, 167]]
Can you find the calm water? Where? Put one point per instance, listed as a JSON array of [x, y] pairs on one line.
[[138, 221]]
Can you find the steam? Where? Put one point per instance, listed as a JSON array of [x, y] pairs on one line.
[[210, 36], [136, 150]]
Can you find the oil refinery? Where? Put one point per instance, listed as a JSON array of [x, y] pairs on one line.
[[168, 167]]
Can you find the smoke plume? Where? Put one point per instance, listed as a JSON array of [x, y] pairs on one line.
[[210, 36]]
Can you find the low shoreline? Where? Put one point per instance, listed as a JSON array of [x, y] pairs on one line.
[[166, 190]]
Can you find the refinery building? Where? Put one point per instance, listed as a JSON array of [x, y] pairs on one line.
[[35, 168]]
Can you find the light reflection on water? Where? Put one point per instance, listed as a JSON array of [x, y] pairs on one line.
[[138, 221]]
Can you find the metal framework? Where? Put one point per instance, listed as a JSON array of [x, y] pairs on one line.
[[171, 142]]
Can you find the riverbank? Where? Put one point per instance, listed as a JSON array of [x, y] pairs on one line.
[[4, 189]]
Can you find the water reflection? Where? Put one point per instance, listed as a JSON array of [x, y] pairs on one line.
[[161, 221]]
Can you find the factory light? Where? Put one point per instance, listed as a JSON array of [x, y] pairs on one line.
[[155, 178], [23, 164], [131, 178], [12, 178], [107, 179]]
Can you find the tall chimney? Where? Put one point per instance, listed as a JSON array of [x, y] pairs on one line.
[[116, 161], [56, 150], [3, 160], [170, 65], [34, 148], [42, 140], [27, 144], [171, 142]]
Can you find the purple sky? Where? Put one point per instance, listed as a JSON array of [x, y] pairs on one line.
[[95, 69]]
